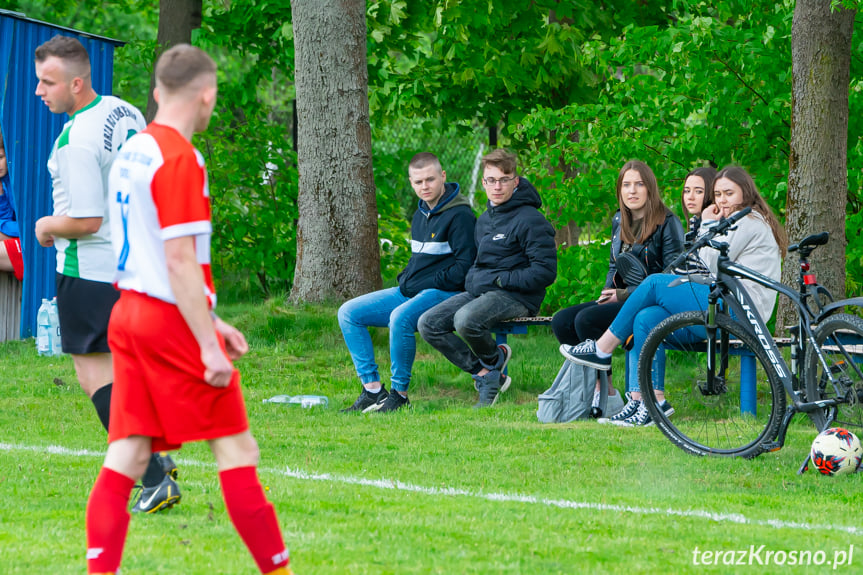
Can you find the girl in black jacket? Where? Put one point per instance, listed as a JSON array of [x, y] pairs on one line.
[[643, 227]]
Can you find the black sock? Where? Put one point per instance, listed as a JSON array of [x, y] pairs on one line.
[[154, 474], [102, 402]]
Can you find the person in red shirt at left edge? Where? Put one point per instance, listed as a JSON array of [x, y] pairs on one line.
[[174, 380], [11, 259]]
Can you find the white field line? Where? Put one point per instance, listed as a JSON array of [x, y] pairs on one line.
[[505, 497]]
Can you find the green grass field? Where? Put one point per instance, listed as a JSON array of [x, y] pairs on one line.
[[440, 488]]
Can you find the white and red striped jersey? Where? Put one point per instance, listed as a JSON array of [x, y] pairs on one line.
[[158, 191]]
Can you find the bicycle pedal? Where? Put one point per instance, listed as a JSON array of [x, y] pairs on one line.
[[770, 446]]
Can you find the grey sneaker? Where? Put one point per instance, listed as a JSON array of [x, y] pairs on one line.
[[628, 411], [503, 360], [585, 354], [367, 400], [489, 386]]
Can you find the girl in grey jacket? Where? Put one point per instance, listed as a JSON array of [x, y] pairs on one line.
[[758, 243]]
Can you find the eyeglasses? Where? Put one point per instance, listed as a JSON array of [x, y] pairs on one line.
[[495, 181]]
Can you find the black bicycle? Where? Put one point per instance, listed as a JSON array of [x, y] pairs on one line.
[[724, 373]]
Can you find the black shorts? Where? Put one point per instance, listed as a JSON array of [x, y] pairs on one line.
[[84, 307]]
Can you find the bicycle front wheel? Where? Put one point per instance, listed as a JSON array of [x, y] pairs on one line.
[[730, 412], [840, 338]]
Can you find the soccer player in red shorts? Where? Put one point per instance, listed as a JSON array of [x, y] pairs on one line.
[[173, 377]]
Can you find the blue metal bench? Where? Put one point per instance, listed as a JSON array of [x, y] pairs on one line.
[[519, 325]]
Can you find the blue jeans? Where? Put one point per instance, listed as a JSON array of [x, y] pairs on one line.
[[472, 318], [645, 308], [386, 308]]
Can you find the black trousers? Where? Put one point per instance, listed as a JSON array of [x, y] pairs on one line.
[[587, 320]]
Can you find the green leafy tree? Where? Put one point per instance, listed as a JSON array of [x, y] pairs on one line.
[[130, 21], [479, 59], [177, 20], [253, 168], [710, 86], [577, 87]]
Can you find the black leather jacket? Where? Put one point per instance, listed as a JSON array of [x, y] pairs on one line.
[[660, 249]]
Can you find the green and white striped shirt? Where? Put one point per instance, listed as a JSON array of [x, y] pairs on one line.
[[79, 166]]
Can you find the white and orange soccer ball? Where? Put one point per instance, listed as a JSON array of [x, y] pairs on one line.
[[836, 451]]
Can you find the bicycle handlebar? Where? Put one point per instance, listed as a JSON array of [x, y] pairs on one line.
[[720, 228]]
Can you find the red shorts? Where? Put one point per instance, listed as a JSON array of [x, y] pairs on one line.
[[13, 249], [159, 388]]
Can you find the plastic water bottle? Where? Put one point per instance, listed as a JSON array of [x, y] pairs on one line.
[[54, 316], [305, 401], [43, 329]]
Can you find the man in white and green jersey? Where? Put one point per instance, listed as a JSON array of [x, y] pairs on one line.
[[80, 230]]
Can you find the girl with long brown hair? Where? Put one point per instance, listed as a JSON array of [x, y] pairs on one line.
[[646, 236]]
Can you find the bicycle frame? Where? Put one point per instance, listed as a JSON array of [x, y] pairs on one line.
[[742, 307]]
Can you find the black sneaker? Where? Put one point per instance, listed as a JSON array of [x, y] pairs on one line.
[[585, 354], [642, 418], [367, 400], [628, 411], [158, 498], [489, 387], [168, 465], [393, 402]]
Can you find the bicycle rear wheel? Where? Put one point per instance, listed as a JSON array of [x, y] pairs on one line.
[[840, 338], [732, 416]]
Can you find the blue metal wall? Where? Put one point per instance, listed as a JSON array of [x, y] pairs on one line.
[[29, 130]]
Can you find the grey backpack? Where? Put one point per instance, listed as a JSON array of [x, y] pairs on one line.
[[571, 395]]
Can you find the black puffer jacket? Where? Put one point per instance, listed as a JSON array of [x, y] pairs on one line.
[[442, 245], [515, 249], [661, 247]]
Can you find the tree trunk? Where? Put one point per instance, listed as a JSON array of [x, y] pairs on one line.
[[337, 233], [177, 19], [567, 234], [817, 176]]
